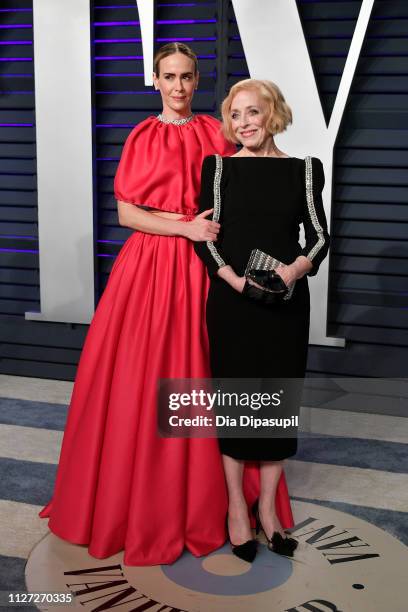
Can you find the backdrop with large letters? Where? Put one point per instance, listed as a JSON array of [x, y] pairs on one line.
[[368, 267]]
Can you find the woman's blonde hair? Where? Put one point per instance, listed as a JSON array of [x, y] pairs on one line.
[[279, 116], [170, 49]]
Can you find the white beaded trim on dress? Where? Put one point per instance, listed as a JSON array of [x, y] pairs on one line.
[[312, 211], [217, 209]]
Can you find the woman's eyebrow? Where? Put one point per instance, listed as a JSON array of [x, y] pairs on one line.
[[235, 110], [173, 74]]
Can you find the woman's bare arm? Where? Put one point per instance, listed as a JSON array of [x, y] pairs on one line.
[[198, 229]]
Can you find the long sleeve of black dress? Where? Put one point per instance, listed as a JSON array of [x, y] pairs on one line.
[[314, 219], [211, 253]]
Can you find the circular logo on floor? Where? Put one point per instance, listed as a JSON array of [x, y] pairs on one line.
[[342, 564]]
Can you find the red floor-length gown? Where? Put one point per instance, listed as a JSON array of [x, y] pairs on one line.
[[119, 485]]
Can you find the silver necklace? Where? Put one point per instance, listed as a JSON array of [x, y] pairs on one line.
[[175, 121]]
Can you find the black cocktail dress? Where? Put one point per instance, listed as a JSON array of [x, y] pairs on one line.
[[261, 203]]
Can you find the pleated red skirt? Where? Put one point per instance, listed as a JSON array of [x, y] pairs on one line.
[[119, 485]]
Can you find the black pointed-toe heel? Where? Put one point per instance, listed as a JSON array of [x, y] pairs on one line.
[[280, 545], [293, 543], [277, 543], [246, 551]]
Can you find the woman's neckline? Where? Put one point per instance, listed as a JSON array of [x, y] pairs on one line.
[[258, 157]]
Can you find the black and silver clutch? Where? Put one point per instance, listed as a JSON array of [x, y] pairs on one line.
[[258, 267]]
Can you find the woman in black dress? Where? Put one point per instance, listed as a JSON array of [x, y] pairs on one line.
[[260, 196]]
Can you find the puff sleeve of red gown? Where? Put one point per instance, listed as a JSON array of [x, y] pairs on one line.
[[153, 173]]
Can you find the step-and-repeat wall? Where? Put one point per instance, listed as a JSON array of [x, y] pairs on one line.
[[368, 288]]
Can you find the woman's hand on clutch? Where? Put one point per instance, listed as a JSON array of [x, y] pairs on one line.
[[292, 272], [288, 274], [228, 274], [240, 284], [201, 229]]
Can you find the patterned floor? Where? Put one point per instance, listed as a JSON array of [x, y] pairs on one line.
[[358, 464]]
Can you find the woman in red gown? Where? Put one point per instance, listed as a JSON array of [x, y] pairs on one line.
[[119, 485]]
